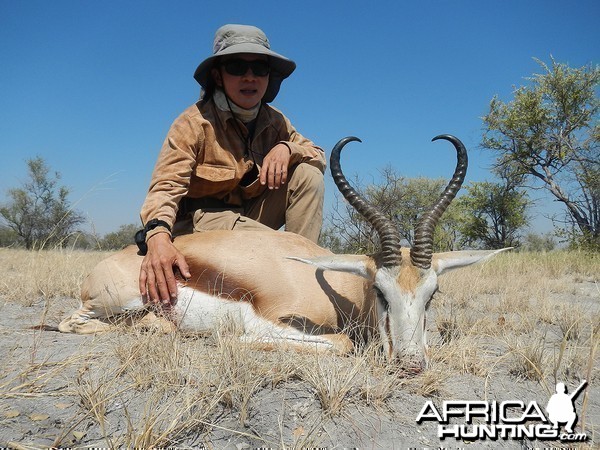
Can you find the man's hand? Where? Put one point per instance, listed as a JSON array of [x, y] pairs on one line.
[[275, 167], [157, 280]]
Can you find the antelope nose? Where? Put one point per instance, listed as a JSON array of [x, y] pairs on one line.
[[412, 364], [416, 365]]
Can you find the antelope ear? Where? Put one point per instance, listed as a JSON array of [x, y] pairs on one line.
[[444, 262], [354, 264]]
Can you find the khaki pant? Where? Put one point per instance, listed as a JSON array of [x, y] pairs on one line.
[[298, 205]]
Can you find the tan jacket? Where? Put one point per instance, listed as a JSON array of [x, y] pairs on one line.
[[204, 156]]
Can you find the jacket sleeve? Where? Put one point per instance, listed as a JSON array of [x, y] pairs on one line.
[[172, 172], [303, 150]]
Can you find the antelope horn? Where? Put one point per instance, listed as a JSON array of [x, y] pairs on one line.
[[386, 230], [422, 250]]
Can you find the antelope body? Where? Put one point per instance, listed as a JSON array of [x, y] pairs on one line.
[[279, 287]]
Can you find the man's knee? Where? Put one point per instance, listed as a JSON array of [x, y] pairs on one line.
[[306, 176], [304, 214]]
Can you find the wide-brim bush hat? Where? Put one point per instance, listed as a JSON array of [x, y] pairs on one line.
[[232, 39]]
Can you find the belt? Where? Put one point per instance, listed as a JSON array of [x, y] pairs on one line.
[[188, 205]]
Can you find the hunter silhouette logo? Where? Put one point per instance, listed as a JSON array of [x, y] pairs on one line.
[[510, 419], [561, 406]]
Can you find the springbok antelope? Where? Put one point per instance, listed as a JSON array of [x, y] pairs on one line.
[[283, 288]]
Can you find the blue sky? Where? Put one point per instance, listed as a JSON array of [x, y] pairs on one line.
[[93, 86]]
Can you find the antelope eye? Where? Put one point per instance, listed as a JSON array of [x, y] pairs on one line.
[[381, 297], [431, 297]]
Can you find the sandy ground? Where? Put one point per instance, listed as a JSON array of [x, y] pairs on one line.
[[44, 374]]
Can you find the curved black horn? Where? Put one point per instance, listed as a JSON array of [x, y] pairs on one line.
[[422, 249], [388, 234]]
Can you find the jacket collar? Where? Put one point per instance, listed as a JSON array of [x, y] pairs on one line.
[[263, 120]]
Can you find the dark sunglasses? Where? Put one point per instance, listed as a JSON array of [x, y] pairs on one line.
[[239, 67]]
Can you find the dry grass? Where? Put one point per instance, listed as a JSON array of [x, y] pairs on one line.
[[28, 276], [520, 316], [530, 304]]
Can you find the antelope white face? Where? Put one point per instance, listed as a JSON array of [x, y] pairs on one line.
[[403, 297]]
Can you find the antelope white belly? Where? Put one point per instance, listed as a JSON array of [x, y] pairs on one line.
[[199, 312]]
